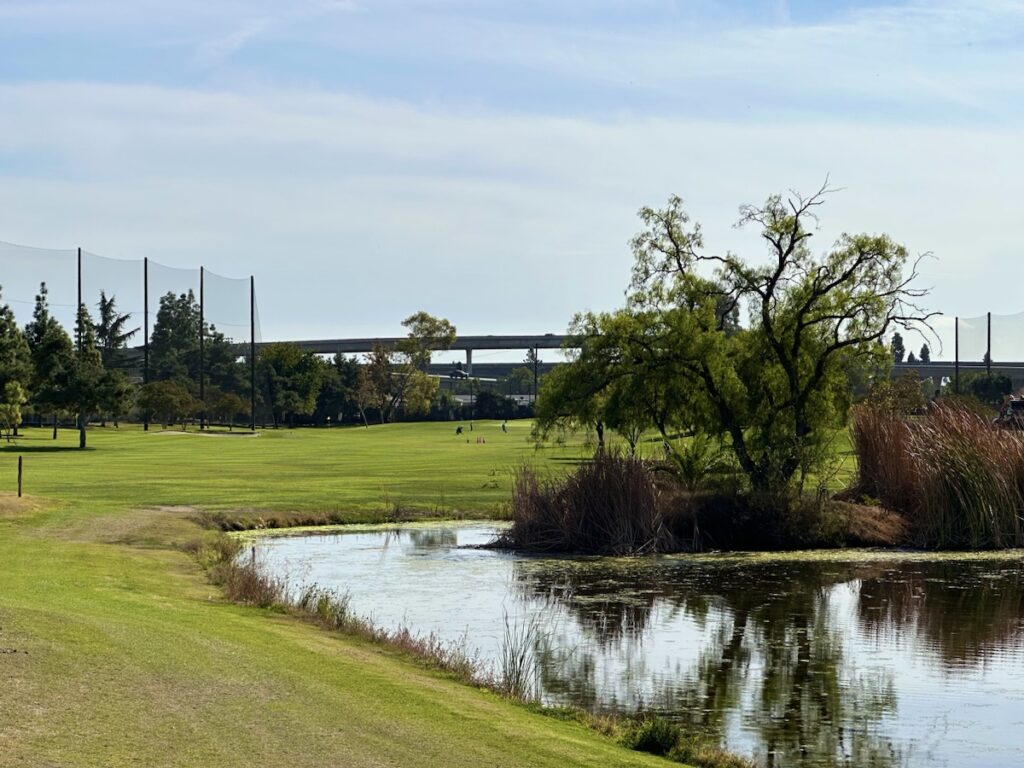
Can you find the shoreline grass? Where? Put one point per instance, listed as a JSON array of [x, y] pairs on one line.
[[513, 677]]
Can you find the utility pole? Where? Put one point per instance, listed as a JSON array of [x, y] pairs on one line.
[[202, 357], [252, 352], [145, 334]]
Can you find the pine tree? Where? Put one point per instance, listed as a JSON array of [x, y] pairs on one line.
[[53, 360], [898, 350], [15, 358], [86, 389], [926, 354], [112, 335]]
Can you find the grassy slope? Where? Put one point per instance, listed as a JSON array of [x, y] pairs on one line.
[[125, 656]]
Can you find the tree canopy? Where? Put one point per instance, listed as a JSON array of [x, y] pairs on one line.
[[773, 387]]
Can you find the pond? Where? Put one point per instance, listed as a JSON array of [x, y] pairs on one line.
[[851, 658]]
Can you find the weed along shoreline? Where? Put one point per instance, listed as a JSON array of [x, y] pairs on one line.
[[647, 629]]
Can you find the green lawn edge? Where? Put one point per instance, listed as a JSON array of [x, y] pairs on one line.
[[117, 651]]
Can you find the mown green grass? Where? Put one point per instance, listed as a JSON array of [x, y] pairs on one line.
[[424, 466], [116, 651]]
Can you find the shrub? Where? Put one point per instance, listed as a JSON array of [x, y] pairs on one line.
[[653, 734], [610, 505]]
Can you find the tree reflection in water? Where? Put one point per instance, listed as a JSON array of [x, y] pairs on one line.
[[772, 660]]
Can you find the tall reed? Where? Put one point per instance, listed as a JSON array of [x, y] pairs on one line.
[[958, 480], [517, 663]]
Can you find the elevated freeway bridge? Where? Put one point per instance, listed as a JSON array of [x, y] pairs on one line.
[[467, 344]]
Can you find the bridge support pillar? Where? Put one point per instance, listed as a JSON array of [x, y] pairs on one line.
[[469, 362]]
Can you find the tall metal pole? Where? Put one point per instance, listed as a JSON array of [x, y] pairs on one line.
[[78, 306], [202, 357], [988, 354], [252, 352], [536, 361], [80, 331], [956, 358], [145, 334]]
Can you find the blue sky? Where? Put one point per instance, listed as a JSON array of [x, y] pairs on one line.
[[484, 160]]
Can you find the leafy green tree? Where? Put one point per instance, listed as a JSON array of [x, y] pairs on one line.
[[337, 398], [52, 360], [225, 407], [904, 395], [397, 378], [926, 354], [117, 394], [899, 351], [15, 357], [169, 402], [14, 398], [88, 380], [112, 332], [521, 378], [174, 345], [621, 377], [291, 378], [780, 387], [493, 405], [777, 388], [990, 389]]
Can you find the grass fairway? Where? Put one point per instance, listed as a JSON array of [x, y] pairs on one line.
[[115, 651]]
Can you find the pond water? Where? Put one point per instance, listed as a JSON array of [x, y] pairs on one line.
[[862, 659]]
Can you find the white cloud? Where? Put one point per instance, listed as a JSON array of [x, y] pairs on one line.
[[353, 212], [217, 50], [356, 209]]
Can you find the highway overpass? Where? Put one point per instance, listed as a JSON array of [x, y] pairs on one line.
[[467, 344]]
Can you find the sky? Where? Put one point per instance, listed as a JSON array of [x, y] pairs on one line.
[[484, 161]]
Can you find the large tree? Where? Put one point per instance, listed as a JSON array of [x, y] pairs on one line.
[[88, 383], [112, 332], [778, 386], [291, 379], [397, 378], [53, 360], [174, 344], [15, 357]]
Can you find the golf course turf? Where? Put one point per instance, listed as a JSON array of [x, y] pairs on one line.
[[116, 650]]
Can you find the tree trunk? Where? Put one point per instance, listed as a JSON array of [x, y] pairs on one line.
[[55, 425]]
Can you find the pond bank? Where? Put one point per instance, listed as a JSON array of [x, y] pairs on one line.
[[927, 627]]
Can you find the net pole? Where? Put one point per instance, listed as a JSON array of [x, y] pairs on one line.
[[988, 353], [145, 332], [79, 330], [252, 353], [202, 357], [78, 306], [535, 362], [956, 358]]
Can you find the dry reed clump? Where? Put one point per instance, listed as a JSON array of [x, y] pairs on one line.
[[608, 506], [958, 480]]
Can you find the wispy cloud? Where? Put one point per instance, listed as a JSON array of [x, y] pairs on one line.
[[217, 50]]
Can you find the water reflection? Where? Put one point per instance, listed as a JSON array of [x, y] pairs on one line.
[[773, 654], [966, 612], [802, 663]]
